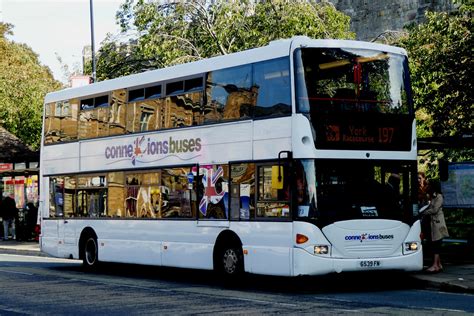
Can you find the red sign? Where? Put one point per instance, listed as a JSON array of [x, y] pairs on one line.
[[6, 166]]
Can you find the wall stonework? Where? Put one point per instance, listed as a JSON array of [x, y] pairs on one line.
[[370, 18]]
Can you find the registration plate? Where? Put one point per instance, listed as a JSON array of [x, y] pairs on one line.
[[369, 263]]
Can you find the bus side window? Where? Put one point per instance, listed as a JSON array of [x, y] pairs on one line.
[[213, 187], [273, 201], [242, 204], [231, 94], [116, 203], [117, 115], [56, 199], [272, 84], [183, 110], [173, 196]]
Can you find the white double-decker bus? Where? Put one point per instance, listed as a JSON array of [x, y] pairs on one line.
[[297, 158]]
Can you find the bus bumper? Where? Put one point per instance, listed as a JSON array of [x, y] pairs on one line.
[[308, 264]]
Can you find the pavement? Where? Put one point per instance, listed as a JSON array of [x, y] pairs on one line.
[[457, 276]]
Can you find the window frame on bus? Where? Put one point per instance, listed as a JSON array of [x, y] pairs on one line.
[[287, 167]]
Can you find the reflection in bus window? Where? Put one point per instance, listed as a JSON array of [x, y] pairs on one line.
[[144, 115], [69, 196], [91, 196], [273, 200], [117, 113], [182, 110], [56, 197], [242, 203], [61, 121], [94, 123], [214, 193], [158, 194], [116, 188], [272, 82], [175, 194], [230, 95]]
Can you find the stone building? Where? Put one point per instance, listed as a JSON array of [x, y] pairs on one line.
[[369, 19]]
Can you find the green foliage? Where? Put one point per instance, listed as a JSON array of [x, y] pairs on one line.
[[441, 65], [160, 33], [23, 85]]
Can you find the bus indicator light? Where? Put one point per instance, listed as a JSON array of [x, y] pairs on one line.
[[301, 239]]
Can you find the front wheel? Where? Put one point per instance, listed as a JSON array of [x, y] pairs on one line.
[[232, 261], [90, 253]]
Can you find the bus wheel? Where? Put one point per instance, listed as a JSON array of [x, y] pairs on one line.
[[89, 255], [232, 261]]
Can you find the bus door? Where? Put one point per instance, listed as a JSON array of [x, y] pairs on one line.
[[62, 197]]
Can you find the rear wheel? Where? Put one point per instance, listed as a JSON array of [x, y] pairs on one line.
[[90, 252], [232, 261]]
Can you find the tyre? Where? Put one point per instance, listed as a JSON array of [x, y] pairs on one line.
[[90, 258], [232, 261]]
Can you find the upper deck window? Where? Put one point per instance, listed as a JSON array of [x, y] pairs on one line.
[[153, 92], [272, 81], [230, 94], [136, 95], [100, 101], [175, 87], [195, 84]]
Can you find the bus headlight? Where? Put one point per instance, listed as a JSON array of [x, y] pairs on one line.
[[411, 246], [321, 249]]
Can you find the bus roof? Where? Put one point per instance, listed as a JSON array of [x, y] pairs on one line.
[[275, 49]]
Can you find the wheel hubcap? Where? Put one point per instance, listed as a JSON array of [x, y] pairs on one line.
[[230, 261]]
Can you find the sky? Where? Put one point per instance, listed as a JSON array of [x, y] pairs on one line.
[[59, 27]]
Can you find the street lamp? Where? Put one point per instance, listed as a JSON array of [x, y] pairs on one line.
[[92, 41]]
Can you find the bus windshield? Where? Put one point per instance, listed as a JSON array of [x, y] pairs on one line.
[[355, 80], [336, 190], [356, 98]]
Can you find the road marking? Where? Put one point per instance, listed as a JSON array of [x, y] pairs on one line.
[[16, 272], [259, 301], [448, 310]]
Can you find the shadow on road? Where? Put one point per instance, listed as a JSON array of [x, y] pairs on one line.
[[343, 282]]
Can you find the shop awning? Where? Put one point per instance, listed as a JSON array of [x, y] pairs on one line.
[[13, 150]]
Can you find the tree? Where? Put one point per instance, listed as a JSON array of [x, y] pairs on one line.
[[441, 65], [23, 85], [160, 34]]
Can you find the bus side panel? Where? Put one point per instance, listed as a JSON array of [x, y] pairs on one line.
[[188, 244], [49, 237], [128, 241], [175, 243], [188, 255], [130, 251], [270, 137], [62, 158], [267, 246]]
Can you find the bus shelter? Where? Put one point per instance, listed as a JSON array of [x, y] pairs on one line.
[[457, 186]]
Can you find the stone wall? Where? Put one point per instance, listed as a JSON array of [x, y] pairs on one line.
[[370, 18]]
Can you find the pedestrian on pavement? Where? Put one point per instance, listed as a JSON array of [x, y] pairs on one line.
[[9, 215], [438, 224]]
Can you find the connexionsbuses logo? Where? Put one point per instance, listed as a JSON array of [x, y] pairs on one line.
[[364, 237], [147, 148]]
